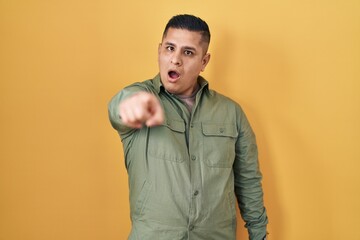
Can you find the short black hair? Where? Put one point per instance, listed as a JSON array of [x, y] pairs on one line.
[[191, 23]]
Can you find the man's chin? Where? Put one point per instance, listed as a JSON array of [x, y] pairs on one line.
[[170, 89]]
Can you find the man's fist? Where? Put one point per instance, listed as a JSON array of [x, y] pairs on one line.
[[141, 108]]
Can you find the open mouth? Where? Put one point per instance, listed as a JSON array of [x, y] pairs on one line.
[[173, 74]]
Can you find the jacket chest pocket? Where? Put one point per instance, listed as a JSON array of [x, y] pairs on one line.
[[219, 144], [168, 141]]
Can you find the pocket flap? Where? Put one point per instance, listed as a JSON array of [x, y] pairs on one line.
[[175, 125], [219, 129]]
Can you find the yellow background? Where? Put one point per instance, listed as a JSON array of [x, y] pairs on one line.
[[294, 66]]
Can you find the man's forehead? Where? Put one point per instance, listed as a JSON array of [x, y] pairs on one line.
[[179, 36]]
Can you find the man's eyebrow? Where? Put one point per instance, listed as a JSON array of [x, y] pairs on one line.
[[190, 48], [169, 43], [184, 47]]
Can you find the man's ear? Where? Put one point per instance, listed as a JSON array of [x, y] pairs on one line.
[[159, 48], [205, 61]]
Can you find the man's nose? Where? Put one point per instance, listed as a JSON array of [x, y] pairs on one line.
[[176, 58]]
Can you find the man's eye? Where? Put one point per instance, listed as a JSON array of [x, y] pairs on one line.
[[170, 48], [188, 53]]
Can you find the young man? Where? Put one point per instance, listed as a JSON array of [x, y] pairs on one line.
[[190, 152]]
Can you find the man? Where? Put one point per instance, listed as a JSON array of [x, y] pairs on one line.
[[190, 152]]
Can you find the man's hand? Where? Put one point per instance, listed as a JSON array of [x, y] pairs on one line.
[[141, 108]]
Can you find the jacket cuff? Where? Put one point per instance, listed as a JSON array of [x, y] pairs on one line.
[[257, 233]]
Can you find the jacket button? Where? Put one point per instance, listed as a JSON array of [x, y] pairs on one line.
[[196, 193], [193, 157]]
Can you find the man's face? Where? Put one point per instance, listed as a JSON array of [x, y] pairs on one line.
[[182, 56]]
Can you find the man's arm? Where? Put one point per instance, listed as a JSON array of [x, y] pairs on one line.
[[248, 188], [141, 108], [132, 107]]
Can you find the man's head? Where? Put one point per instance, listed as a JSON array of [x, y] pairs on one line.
[[190, 23], [183, 53]]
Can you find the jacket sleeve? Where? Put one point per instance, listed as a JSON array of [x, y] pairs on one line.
[[248, 188], [113, 109]]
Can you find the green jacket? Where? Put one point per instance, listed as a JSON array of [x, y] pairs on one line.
[[186, 175]]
